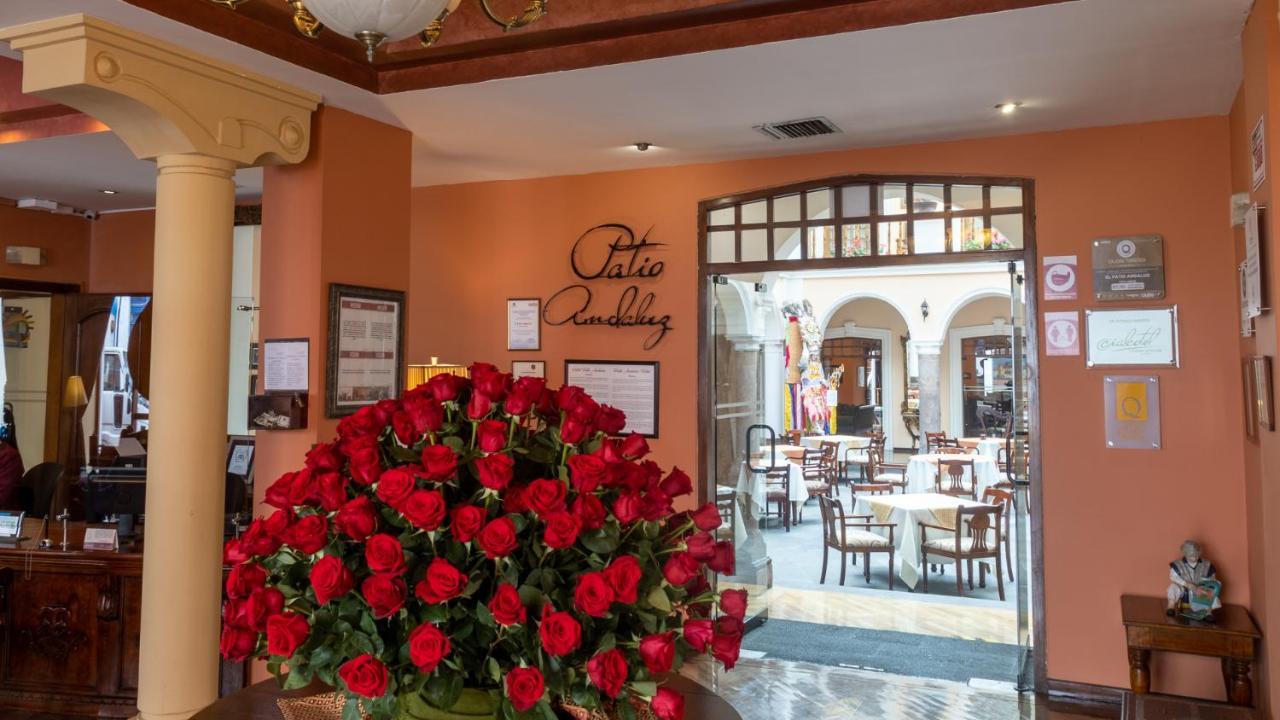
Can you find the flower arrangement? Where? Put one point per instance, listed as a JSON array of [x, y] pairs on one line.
[[482, 537]]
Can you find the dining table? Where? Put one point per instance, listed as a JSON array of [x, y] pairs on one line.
[[986, 446], [844, 443], [922, 471], [752, 484], [907, 512]]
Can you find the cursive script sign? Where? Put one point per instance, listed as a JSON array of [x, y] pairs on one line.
[[1132, 337], [611, 252]]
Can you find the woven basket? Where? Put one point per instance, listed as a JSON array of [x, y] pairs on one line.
[[325, 706], [643, 712]]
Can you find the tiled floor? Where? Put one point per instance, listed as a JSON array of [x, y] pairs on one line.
[[939, 617]]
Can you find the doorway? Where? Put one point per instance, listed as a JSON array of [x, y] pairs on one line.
[[855, 317]]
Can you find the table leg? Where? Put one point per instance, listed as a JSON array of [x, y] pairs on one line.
[[1139, 670], [1240, 689]]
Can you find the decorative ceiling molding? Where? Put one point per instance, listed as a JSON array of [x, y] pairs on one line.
[[576, 34]]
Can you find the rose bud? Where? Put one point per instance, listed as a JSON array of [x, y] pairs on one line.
[[439, 462], [234, 553], [365, 676], [426, 413], [498, 538], [593, 595], [395, 486], [529, 387], [658, 652], [573, 431], [698, 633], [467, 520], [634, 447], [681, 569], [331, 490], [513, 502], [701, 546], [707, 517], [624, 575], [627, 508], [324, 458], [383, 410], [442, 583], [495, 471], [608, 671], [562, 531], [286, 633], [384, 554], [734, 603], [425, 510], [506, 607], [723, 561], [667, 705], [590, 512], [545, 496], [525, 687], [655, 506], [330, 579], [446, 387], [567, 397], [726, 649], [358, 519], [517, 405], [559, 632], [403, 428], [479, 406], [262, 604], [677, 484], [427, 647], [385, 594], [491, 436]]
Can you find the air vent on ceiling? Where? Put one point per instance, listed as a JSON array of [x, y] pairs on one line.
[[793, 129]]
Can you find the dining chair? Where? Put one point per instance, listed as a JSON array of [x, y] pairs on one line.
[[777, 483], [794, 436], [831, 463], [727, 504], [948, 450], [1003, 498], [932, 441], [883, 473], [950, 479], [976, 536], [813, 473], [852, 534]]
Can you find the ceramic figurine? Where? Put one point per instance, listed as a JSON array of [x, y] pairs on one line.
[[1190, 576]]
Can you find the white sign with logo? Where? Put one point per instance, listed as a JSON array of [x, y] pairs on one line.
[[1060, 277], [1132, 337], [1062, 333]]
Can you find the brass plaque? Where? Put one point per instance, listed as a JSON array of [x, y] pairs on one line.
[[1129, 268]]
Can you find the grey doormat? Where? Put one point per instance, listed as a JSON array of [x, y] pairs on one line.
[[893, 652]]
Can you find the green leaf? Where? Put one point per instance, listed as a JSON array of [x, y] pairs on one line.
[[659, 600], [455, 443], [625, 711], [443, 690], [494, 670], [530, 596], [543, 710], [603, 541], [351, 711], [607, 643], [299, 677], [646, 689], [323, 656]]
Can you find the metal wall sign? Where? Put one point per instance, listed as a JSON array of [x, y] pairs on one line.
[[1136, 336], [1129, 268], [1132, 407]]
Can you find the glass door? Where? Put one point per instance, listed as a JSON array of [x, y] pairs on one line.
[[738, 469], [1017, 452]]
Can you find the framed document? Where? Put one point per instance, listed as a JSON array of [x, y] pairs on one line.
[[1262, 393], [528, 368], [11, 526], [631, 387], [1251, 282], [524, 317], [286, 365], [1135, 337], [366, 345]]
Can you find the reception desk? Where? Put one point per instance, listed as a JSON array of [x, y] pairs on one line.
[[69, 627]]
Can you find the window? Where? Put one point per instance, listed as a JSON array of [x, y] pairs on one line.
[[865, 217]]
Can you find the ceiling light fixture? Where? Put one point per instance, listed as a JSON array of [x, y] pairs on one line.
[[373, 22], [1008, 108], [107, 191], [644, 146]]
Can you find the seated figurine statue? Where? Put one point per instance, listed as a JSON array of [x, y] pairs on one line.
[[1185, 574]]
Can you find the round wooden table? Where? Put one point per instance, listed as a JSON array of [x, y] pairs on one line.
[[259, 702]]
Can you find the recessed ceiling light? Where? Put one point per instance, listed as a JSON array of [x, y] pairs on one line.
[[1008, 108], [107, 191], [644, 146]]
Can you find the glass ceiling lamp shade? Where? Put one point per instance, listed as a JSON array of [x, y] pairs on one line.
[[374, 21]]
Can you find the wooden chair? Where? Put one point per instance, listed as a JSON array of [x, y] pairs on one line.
[[1003, 498], [948, 450], [777, 484], [727, 504], [831, 462], [976, 536], [858, 456], [793, 436], [932, 441], [815, 471], [950, 479], [883, 473], [852, 534]]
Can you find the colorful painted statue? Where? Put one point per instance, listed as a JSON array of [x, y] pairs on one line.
[[1190, 577]]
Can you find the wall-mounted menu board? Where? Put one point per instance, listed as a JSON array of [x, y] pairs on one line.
[[631, 387]]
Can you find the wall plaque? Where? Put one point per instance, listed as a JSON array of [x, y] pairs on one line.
[[631, 387], [1132, 337], [1255, 296], [1128, 268], [1132, 412]]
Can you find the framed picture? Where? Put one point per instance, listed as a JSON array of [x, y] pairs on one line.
[[528, 368], [286, 365], [631, 387], [366, 345], [1258, 151], [524, 324], [1132, 337], [240, 457], [1250, 403], [1262, 395]]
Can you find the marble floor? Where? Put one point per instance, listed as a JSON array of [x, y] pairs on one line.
[[939, 617]]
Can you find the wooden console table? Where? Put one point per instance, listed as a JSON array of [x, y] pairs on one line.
[[1233, 638]]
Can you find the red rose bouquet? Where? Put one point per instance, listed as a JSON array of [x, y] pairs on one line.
[[486, 538]]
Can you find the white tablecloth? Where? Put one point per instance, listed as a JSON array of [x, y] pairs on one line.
[[907, 512], [845, 442], [753, 485], [987, 447], [922, 470]]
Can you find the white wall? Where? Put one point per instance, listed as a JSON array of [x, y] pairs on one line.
[[244, 291], [27, 378]]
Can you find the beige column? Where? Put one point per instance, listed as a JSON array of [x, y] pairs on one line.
[[186, 481]]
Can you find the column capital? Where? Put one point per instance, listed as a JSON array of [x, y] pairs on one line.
[[161, 98], [924, 347]]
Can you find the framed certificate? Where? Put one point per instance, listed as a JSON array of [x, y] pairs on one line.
[[524, 318], [528, 368], [366, 347], [631, 387], [1133, 337]]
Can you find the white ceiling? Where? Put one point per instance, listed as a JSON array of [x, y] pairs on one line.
[[1076, 64]]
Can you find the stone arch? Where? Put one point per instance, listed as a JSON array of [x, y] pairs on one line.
[[914, 328], [969, 297]]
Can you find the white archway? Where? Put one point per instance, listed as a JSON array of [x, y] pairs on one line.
[[914, 329], [967, 298]]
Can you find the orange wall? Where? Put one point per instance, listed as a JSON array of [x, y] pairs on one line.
[[1113, 519], [65, 239], [122, 252], [1259, 96]]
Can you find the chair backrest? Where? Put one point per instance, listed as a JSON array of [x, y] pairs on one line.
[[947, 450], [43, 481], [875, 458], [812, 459], [998, 496], [933, 440], [950, 479], [794, 436], [832, 520], [982, 523]]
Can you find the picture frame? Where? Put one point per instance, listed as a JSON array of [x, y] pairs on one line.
[[1263, 399], [240, 457], [365, 362], [630, 386], [1132, 337], [1250, 402], [285, 365], [528, 368], [524, 324]]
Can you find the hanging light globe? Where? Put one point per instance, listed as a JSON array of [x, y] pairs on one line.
[[373, 22]]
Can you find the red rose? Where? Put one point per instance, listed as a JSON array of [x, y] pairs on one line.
[[286, 491], [593, 595], [545, 496], [363, 423], [723, 561], [467, 521], [262, 604], [513, 500], [608, 671], [279, 521], [560, 633], [286, 633], [498, 538], [562, 531], [611, 420], [439, 462], [726, 648], [384, 554], [567, 396], [707, 517], [383, 410], [677, 484], [634, 447], [698, 633], [491, 436], [587, 472], [667, 704], [425, 509], [446, 387], [627, 508], [479, 406], [734, 603], [658, 652], [308, 535], [442, 583], [525, 687], [701, 546], [385, 593], [655, 505], [358, 519], [651, 472], [330, 579], [366, 460], [573, 432], [681, 569], [237, 644], [234, 552], [487, 379], [427, 647], [495, 471], [426, 413], [405, 431], [585, 410], [395, 486], [365, 676], [624, 575], [331, 490], [244, 579], [530, 387], [590, 512], [257, 541], [324, 458], [517, 405], [506, 606], [608, 451]]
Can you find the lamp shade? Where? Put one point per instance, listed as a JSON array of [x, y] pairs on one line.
[[73, 394], [419, 374], [389, 19]]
